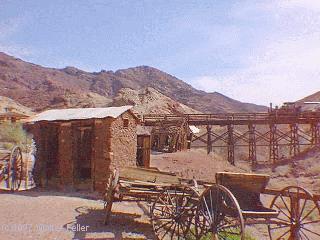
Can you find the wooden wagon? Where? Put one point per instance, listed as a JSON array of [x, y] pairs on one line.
[[11, 168], [185, 209], [233, 202], [172, 200]]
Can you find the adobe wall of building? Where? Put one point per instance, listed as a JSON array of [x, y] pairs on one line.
[[113, 146], [101, 153], [124, 141]]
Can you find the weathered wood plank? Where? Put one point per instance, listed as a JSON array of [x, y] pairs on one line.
[[243, 181], [148, 175], [142, 183]]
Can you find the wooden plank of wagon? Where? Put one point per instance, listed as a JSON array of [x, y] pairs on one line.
[[148, 175], [243, 181]]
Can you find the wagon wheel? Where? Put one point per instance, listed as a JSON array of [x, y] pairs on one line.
[[299, 215], [15, 167], [172, 213], [219, 215]]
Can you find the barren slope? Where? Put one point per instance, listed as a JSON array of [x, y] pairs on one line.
[[311, 98], [149, 100], [39, 87], [6, 103]]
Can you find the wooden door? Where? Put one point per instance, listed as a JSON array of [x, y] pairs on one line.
[[143, 151], [82, 151], [50, 148]]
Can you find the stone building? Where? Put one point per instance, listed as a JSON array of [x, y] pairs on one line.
[[169, 138], [79, 148], [11, 115]]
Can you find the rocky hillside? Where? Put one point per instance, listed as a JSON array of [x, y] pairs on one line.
[[150, 101], [311, 98], [9, 104], [39, 88]]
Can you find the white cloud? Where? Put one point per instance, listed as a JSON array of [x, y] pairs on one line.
[[286, 67], [313, 5]]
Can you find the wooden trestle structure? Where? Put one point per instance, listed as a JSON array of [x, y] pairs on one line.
[[276, 128]]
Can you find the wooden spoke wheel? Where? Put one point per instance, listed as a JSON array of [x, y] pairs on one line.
[[219, 215], [15, 167], [172, 213], [299, 215]]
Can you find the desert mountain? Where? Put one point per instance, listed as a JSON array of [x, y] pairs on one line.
[[8, 104], [311, 98], [149, 100], [39, 88]]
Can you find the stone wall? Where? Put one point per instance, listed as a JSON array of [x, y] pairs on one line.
[[113, 146], [124, 141], [101, 158]]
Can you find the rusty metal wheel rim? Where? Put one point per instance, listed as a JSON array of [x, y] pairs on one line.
[[173, 212], [294, 220], [219, 215]]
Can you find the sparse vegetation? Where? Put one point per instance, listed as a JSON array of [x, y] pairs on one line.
[[13, 134], [227, 237]]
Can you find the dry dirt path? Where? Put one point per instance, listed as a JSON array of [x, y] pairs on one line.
[[51, 215]]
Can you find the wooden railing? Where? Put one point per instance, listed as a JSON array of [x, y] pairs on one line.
[[263, 117]]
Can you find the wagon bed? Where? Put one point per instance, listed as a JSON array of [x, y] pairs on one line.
[[294, 212], [138, 184]]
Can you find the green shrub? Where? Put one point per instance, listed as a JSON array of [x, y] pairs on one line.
[[13, 134]]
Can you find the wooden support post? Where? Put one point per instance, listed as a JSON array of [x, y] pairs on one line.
[[273, 141], [252, 146], [295, 212], [294, 140], [209, 142], [230, 145], [315, 133]]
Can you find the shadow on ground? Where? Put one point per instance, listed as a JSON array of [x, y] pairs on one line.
[[120, 222], [124, 218]]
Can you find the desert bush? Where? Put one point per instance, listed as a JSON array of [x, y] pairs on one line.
[[14, 134], [225, 236], [8, 145]]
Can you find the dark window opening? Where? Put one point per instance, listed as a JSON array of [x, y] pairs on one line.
[[85, 173], [125, 122]]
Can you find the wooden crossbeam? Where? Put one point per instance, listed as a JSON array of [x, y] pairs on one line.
[[200, 138], [241, 136], [304, 135], [220, 137], [283, 135], [263, 136]]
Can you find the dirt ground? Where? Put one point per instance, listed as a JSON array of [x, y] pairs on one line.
[[39, 215], [302, 171]]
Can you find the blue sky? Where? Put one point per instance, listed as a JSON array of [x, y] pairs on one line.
[[253, 51]]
